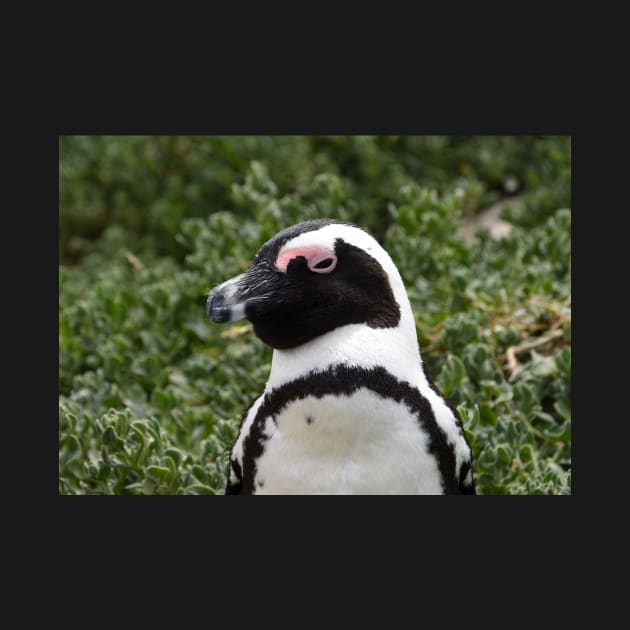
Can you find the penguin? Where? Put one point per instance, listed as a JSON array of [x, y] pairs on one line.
[[349, 406]]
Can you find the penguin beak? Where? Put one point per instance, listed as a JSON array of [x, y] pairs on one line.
[[229, 301], [220, 307], [226, 303]]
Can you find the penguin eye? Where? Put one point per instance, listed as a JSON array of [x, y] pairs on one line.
[[323, 265]]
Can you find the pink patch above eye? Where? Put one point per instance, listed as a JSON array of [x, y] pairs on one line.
[[321, 256]]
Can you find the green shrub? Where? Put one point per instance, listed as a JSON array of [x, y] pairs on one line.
[[151, 393], [148, 184]]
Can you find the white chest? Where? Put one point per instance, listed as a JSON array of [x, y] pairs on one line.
[[357, 444]]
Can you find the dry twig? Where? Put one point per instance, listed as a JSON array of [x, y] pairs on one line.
[[135, 262], [512, 352]]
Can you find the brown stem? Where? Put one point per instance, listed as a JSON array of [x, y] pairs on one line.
[[513, 351]]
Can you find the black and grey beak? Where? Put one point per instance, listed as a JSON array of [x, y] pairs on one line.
[[234, 299], [224, 303]]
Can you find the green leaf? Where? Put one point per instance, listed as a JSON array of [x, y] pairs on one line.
[[562, 409], [199, 472], [175, 454], [171, 465], [160, 473], [112, 440], [198, 488], [70, 420], [545, 418], [563, 360], [543, 366], [487, 415], [452, 374], [561, 434], [503, 454], [70, 449], [526, 453]]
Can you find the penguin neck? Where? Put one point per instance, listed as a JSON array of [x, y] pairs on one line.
[[395, 349]]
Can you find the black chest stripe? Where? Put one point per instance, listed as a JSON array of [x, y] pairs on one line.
[[342, 379], [465, 487]]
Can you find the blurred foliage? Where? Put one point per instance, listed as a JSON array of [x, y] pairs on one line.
[[151, 393], [148, 184]]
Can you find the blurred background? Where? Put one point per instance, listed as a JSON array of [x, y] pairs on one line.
[[478, 225], [146, 185]]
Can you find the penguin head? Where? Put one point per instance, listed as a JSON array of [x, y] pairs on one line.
[[310, 279]]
